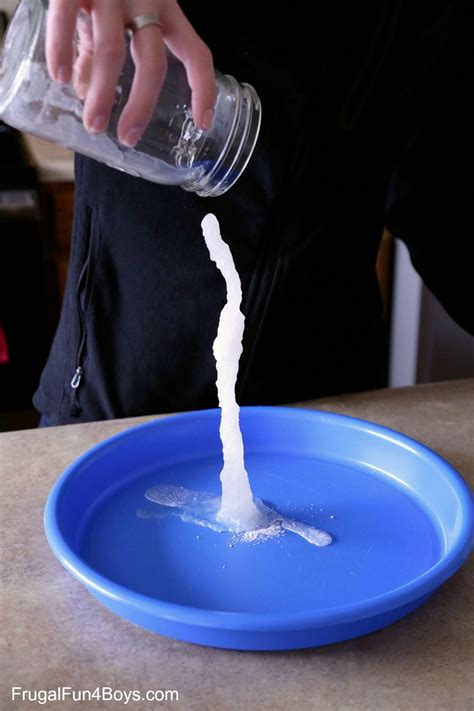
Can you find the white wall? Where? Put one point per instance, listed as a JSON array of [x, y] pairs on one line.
[[426, 345]]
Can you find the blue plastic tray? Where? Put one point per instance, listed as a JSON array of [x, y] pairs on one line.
[[400, 516]]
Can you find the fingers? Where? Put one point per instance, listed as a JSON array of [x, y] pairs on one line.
[[60, 28], [108, 59], [149, 56], [196, 56], [102, 54], [83, 66], [82, 73]]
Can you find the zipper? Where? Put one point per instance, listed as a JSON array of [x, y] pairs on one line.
[[77, 377], [83, 294]]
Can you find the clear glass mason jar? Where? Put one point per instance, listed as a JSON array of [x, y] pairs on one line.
[[172, 151]]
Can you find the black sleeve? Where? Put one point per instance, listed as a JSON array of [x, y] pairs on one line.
[[431, 199]]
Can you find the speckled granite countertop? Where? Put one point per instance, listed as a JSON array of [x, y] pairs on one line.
[[56, 634]]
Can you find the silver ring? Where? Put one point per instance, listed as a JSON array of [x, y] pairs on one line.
[[141, 21]]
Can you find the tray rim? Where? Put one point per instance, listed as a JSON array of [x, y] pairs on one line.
[[418, 587]]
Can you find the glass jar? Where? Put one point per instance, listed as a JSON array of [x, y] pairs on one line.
[[172, 150]]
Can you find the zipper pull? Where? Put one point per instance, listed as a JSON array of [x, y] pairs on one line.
[[76, 378], [75, 410]]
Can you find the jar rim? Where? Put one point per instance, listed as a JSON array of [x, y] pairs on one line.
[[239, 146]]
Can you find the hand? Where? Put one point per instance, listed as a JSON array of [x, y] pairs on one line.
[[101, 32]]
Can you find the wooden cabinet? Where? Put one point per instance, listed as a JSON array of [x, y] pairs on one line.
[[384, 271], [55, 166], [57, 206]]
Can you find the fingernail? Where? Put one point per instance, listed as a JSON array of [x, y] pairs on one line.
[[63, 75], [132, 137], [208, 119], [98, 124]]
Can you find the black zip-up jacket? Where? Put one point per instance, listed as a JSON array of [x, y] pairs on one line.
[[366, 122]]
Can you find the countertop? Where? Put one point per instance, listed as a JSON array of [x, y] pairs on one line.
[[56, 634]]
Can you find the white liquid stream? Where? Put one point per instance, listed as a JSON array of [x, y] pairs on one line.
[[237, 510], [238, 507]]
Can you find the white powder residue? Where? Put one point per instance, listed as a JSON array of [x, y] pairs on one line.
[[54, 112]]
